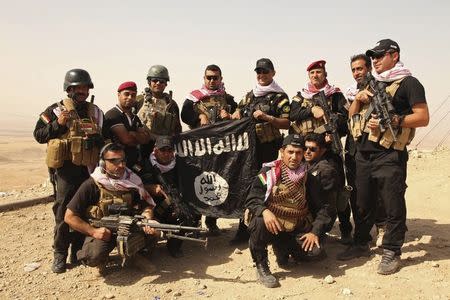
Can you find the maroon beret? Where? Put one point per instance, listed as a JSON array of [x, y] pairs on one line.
[[320, 64], [128, 85]]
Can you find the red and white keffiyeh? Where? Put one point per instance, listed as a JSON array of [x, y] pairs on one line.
[[204, 92], [310, 90], [399, 71]]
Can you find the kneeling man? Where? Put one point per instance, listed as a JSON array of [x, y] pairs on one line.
[[111, 183], [280, 213]]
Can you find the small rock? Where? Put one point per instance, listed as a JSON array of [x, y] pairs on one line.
[[169, 291], [346, 291], [177, 294], [3, 194], [435, 264], [204, 287], [109, 296], [237, 251], [329, 279], [31, 266], [241, 269]]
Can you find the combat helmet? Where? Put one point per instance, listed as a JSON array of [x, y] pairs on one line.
[[158, 71], [77, 77]]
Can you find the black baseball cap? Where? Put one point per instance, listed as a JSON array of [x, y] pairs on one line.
[[164, 141], [294, 140], [382, 47], [265, 64]]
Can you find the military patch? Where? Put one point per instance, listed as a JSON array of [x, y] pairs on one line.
[[45, 118], [286, 109], [282, 103]]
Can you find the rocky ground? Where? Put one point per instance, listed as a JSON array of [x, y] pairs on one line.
[[226, 272]]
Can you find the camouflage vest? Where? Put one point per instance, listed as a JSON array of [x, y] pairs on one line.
[[154, 113], [211, 106], [81, 143], [265, 131], [309, 125], [107, 198], [288, 201], [358, 125]]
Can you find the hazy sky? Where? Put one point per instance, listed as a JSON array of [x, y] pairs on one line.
[[116, 41]]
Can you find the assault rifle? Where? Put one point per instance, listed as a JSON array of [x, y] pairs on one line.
[[331, 127], [380, 105], [129, 237]]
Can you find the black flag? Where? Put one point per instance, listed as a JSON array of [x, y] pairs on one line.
[[217, 165]]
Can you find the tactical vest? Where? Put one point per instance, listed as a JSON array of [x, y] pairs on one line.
[[211, 106], [288, 202], [358, 125], [107, 198], [155, 114], [309, 125], [265, 131], [81, 143]]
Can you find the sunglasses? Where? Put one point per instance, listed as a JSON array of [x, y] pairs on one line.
[[262, 71], [212, 77], [380, 55], [116, 161], [155, 80], [312, 149]]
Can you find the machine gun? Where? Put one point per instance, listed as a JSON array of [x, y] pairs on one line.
[[380, 105], [130, 238], [212, 112], [331, 127]]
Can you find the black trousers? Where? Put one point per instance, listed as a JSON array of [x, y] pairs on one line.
[[282, 243], [68, 179], [381, 176], [95, 252]]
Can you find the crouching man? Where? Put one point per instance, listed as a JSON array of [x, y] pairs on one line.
[[111, 184], [281, 215]]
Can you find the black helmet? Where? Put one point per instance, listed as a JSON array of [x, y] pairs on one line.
[[76, 77]]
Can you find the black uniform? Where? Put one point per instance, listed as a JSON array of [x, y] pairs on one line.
[[189, 114], [273, 104], [114, 117], [300, 113], [381, 176], [260, 237], [68, 178], [94, 251], [163, 211]]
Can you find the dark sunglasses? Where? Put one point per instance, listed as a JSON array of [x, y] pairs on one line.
[[212, 77], [116, 161], [262, 71], [312, 149], [155, 80]]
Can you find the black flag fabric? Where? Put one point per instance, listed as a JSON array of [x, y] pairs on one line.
[[216, 165]]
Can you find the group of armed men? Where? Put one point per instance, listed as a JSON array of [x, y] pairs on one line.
[[307, 179]]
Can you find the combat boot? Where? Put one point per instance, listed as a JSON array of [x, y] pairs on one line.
[[59, 263], [265, 276], [354, 251], [389, 262]]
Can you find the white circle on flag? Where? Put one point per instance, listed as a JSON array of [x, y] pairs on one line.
[[211, 188]]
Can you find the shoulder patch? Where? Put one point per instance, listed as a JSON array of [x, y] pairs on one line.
[[286, 109]]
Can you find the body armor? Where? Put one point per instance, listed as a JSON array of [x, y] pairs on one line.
[[155, 114], [288, 202], [211, 107], [107, 199], [265, 131], [81, 143], [309, 125], [358, 125]]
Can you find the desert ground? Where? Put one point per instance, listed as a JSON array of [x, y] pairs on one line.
[[220, 271]]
